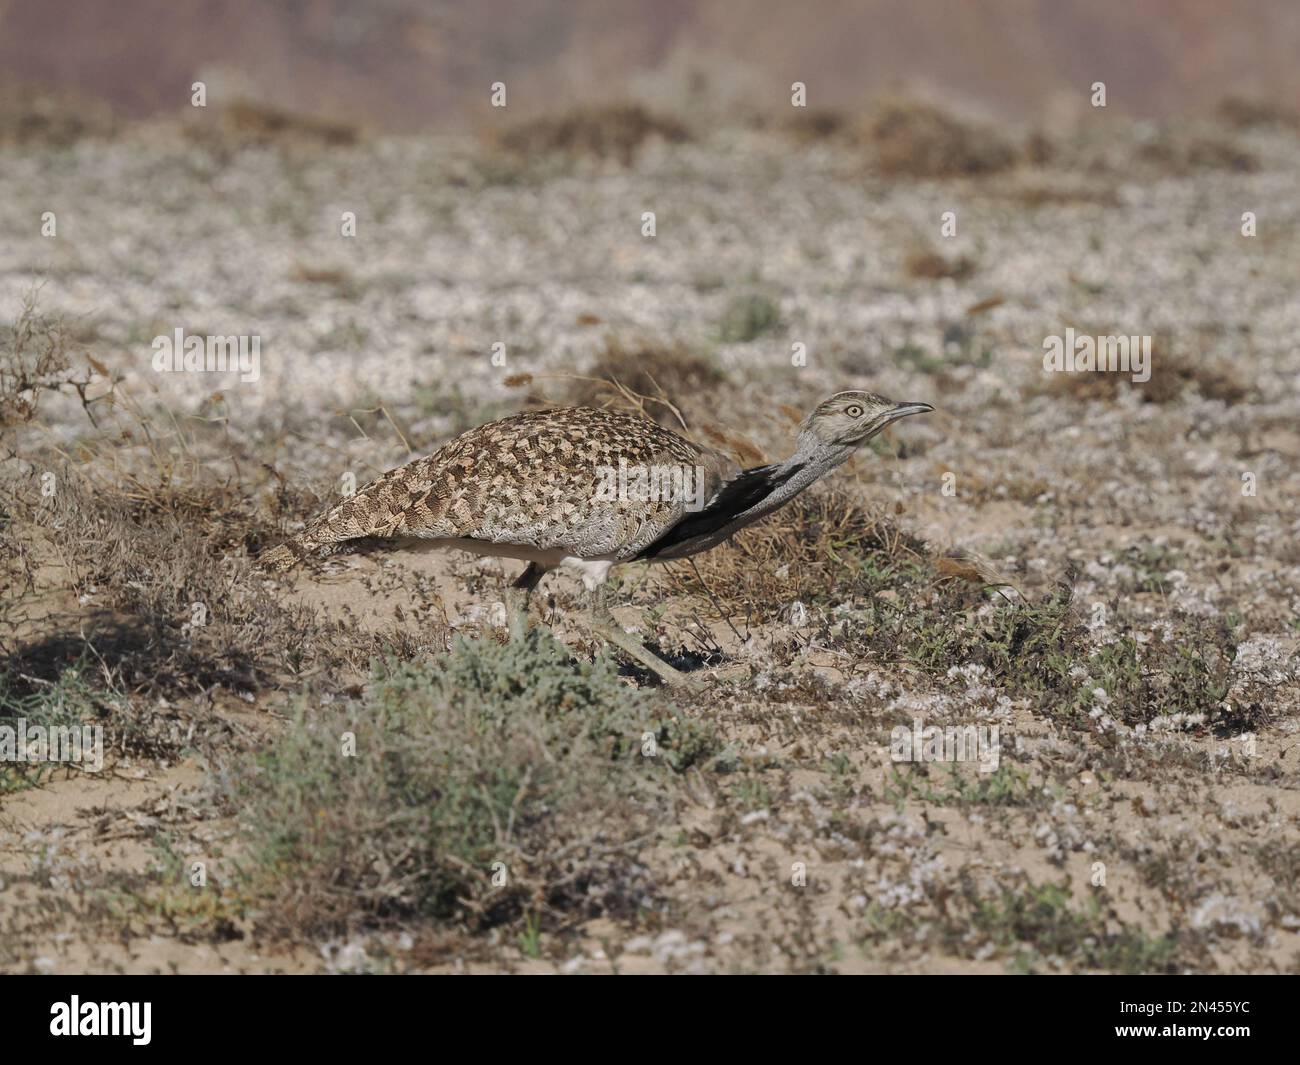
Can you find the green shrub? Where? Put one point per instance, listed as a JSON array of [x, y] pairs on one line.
[[748, 317], [69, 702], [1043, 651], [502, 782]]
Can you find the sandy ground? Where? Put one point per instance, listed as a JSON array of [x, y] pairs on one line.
[[1137, 494]]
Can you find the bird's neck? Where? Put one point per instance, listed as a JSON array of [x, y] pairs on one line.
[[812, 460], [816, 457]]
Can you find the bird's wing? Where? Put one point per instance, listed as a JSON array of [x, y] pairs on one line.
[[540, 479], [591, 483], [739, 495]]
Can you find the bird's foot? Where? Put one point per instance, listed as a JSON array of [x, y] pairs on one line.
[[609, 630]]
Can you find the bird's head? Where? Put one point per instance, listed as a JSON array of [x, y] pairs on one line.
[[849, 419]]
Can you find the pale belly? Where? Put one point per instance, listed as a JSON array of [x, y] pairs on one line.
[[592, 571]]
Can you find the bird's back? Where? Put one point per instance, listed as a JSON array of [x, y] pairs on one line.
[[541, 480]]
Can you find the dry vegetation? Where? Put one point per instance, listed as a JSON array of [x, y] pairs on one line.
[[926, 264], [613, 131], [245, 123], [30, 117], [910, 139], [659, 382], [375, 777]]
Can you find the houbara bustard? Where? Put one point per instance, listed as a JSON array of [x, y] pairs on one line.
[[584, 490]]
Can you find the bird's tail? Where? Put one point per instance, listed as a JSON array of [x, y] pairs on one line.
[[324, 533], [377, 509], [354, 517], [288, 554]]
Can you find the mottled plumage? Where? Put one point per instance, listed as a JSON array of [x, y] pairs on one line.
[[530, 480], [537, 486]]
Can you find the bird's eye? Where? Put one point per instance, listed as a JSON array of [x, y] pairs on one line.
[[853, 411]]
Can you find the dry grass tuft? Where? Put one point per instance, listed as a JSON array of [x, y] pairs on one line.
[[655, 380], [822, 547], [613, 131], [741, 448], [175, 605], [34, 359], [145, 529], [33, 118], [1180, 153], [1170, 381], [1171, 375], [971, 568], [925, 264], [244, 123], [1247, 112], [1061, 191], [911, 139], [809, 126]]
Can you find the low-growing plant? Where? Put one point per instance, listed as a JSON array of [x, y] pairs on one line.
[[1029, 927], [1008, 785], [69, 701], [748, 317], [1040, 922], [1043, 651], [499, 781]]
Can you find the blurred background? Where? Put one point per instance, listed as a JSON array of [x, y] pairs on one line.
[[410, 65]]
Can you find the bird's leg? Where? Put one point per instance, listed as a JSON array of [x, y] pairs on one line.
[[528, 579], [604, 626], [518, 596]]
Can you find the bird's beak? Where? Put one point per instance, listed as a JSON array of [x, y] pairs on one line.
[[904, 409]]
